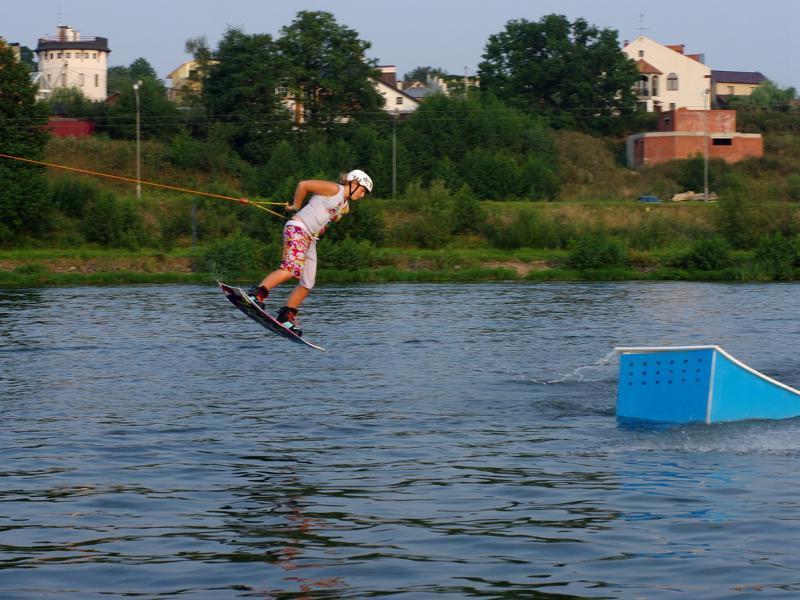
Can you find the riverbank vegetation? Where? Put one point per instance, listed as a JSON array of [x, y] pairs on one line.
[[482, 184]]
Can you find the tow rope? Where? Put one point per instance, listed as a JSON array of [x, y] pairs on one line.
[[258, 204]]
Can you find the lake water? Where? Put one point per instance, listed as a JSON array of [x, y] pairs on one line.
[[455, 441]]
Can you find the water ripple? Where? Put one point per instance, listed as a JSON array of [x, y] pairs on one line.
[[456, 440]]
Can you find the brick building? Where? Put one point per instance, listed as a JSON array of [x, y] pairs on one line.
[[684, 133]]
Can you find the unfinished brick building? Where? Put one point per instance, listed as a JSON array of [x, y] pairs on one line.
[[684, 133]]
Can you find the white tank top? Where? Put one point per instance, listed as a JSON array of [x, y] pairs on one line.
[[321, 210]]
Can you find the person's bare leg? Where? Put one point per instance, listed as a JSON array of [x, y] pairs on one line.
[[298, 295], [276, 278]]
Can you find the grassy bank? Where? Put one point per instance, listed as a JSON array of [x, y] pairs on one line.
[[36, 267], [96, 231]]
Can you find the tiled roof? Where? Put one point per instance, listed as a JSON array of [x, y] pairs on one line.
[[753, 77], [646, 68]]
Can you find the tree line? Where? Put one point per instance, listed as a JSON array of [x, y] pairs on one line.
[[494, 143]]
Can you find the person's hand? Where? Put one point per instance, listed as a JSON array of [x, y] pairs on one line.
[[289, 207]]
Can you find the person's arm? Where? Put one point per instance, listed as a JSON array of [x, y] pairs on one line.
[[312, 186]]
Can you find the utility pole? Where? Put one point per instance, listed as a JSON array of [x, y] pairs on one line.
[[394, 157], [465, 81], [136, 87], [706, 108], [194, 223]]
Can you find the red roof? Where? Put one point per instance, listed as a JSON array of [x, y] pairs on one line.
[[646, 68]]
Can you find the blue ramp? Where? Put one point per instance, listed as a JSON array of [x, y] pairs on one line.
[[686, 384]]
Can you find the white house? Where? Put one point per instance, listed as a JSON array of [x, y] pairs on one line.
[[397, 101], [184, 80], [70, 60], [669, 78]]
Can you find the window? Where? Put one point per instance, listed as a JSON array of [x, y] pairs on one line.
[[69, 55], [672, 106], [722, 142], [60, 55], [81, 79], [641, 86], [94, 54], [97, 81], [64, 80], [730, 90], [399, 100], [654, 85], [641, 53], [672, 82]]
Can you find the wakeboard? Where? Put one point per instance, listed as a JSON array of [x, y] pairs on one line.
[[244, 303]]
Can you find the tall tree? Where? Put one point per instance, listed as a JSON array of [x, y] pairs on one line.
[[482, 142], [23, 187], [240, 92], [203, 57], [574, 71], [142, 69], [768, 96], [69, 102], [121, 78], [159, 117], [28, 57], [422, 73], [327, 71]]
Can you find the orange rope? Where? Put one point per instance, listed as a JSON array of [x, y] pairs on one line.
[[152, 183]]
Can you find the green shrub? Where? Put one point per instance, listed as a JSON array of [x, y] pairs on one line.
[[658, 230], [776, 255], [232, 255], [175, 224], [188, 153], [71, 195], [113, 222], [538, 180], [6, 235], [793, 187], [491, 174], [31, 269], [219, 220], [711, 254], [691, 173], [365, 222], [424, 232], [430, 211], [468, 215], [595, 250], [743, 220], [347, 255], [530, 228]]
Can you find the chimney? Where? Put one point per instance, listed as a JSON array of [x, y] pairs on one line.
[[389, 75]]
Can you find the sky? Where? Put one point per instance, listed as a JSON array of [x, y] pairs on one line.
[[734, 35]]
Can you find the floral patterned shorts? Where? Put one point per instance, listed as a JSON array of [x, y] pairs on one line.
[[299, 254]]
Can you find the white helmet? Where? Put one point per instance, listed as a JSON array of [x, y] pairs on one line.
[[361, 177]]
